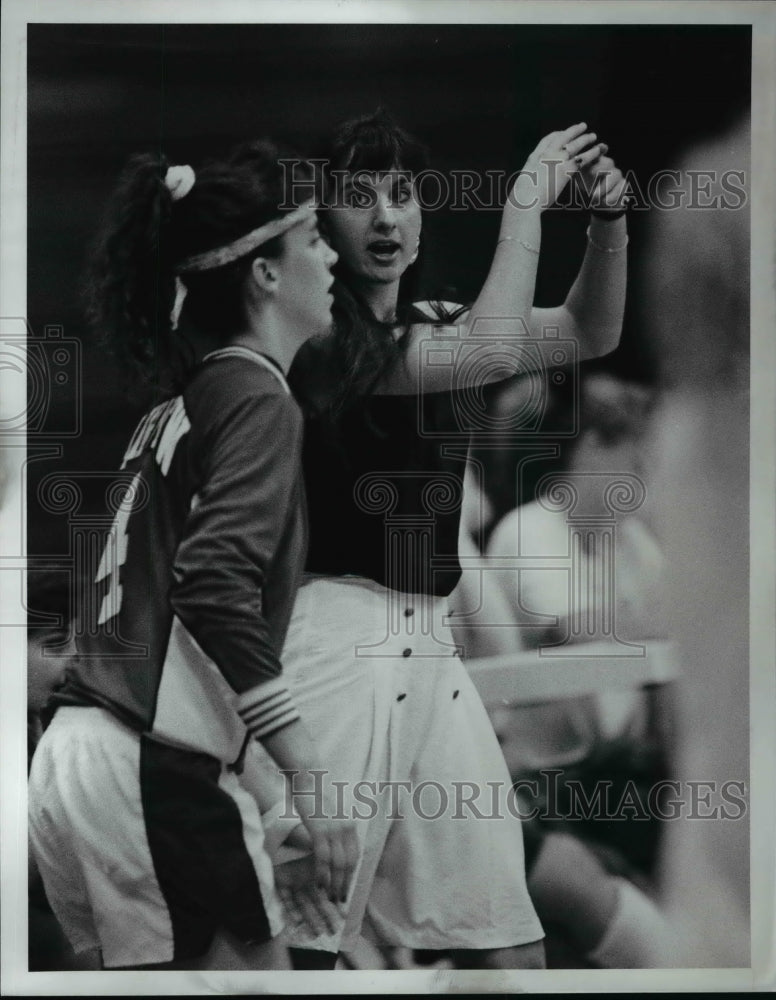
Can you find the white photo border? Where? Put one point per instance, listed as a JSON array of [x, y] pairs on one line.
[[16, 14]]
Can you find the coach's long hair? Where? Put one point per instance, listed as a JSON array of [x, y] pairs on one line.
[[130, 284]]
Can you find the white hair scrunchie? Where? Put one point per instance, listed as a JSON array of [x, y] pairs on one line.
[[179, 181]]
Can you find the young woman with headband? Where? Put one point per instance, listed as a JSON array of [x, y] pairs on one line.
[[150, 850], [369, 650]]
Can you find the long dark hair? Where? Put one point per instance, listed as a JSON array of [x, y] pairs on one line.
[[130, 284], [329, 376]]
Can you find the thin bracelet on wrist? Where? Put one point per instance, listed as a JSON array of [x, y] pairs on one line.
[[602, 249], [514, 239]]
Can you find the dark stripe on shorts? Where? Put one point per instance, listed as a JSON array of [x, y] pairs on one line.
[[195, 834]]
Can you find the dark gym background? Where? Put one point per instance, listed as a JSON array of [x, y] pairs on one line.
[[480, 96]]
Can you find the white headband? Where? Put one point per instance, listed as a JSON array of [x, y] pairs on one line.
[[211, 259]]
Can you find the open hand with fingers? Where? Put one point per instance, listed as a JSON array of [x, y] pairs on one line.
[[332, 835], [304, 903], [550, 167], [334, 847], [602, 182]]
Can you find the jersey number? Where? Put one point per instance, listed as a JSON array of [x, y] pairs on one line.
[[114, 556]]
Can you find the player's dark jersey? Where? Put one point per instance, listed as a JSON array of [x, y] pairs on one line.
[[192, 598]]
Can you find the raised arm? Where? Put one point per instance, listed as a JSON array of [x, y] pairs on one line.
[[508, 292], [593, 310]]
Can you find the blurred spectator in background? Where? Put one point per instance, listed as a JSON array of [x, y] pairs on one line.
[[582, 873], [48, 635], [564, 733]]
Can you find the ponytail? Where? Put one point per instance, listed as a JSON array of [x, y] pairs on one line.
[[156, 222], [131, 282]]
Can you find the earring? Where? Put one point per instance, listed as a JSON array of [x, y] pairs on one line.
[[415, 253]]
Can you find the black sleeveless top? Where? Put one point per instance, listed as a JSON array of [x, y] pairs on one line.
[[384, 489]]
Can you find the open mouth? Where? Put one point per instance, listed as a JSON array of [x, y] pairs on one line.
[[385, 251]]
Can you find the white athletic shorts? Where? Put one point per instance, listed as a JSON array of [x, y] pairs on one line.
[[145, 850], [378, 680]]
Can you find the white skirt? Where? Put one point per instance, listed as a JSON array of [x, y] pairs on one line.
[[380, 684]]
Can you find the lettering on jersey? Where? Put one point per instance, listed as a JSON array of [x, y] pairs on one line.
[[160, 431], [115, 553]]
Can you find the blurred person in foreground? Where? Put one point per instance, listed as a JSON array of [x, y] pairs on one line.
[[697, 285]]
